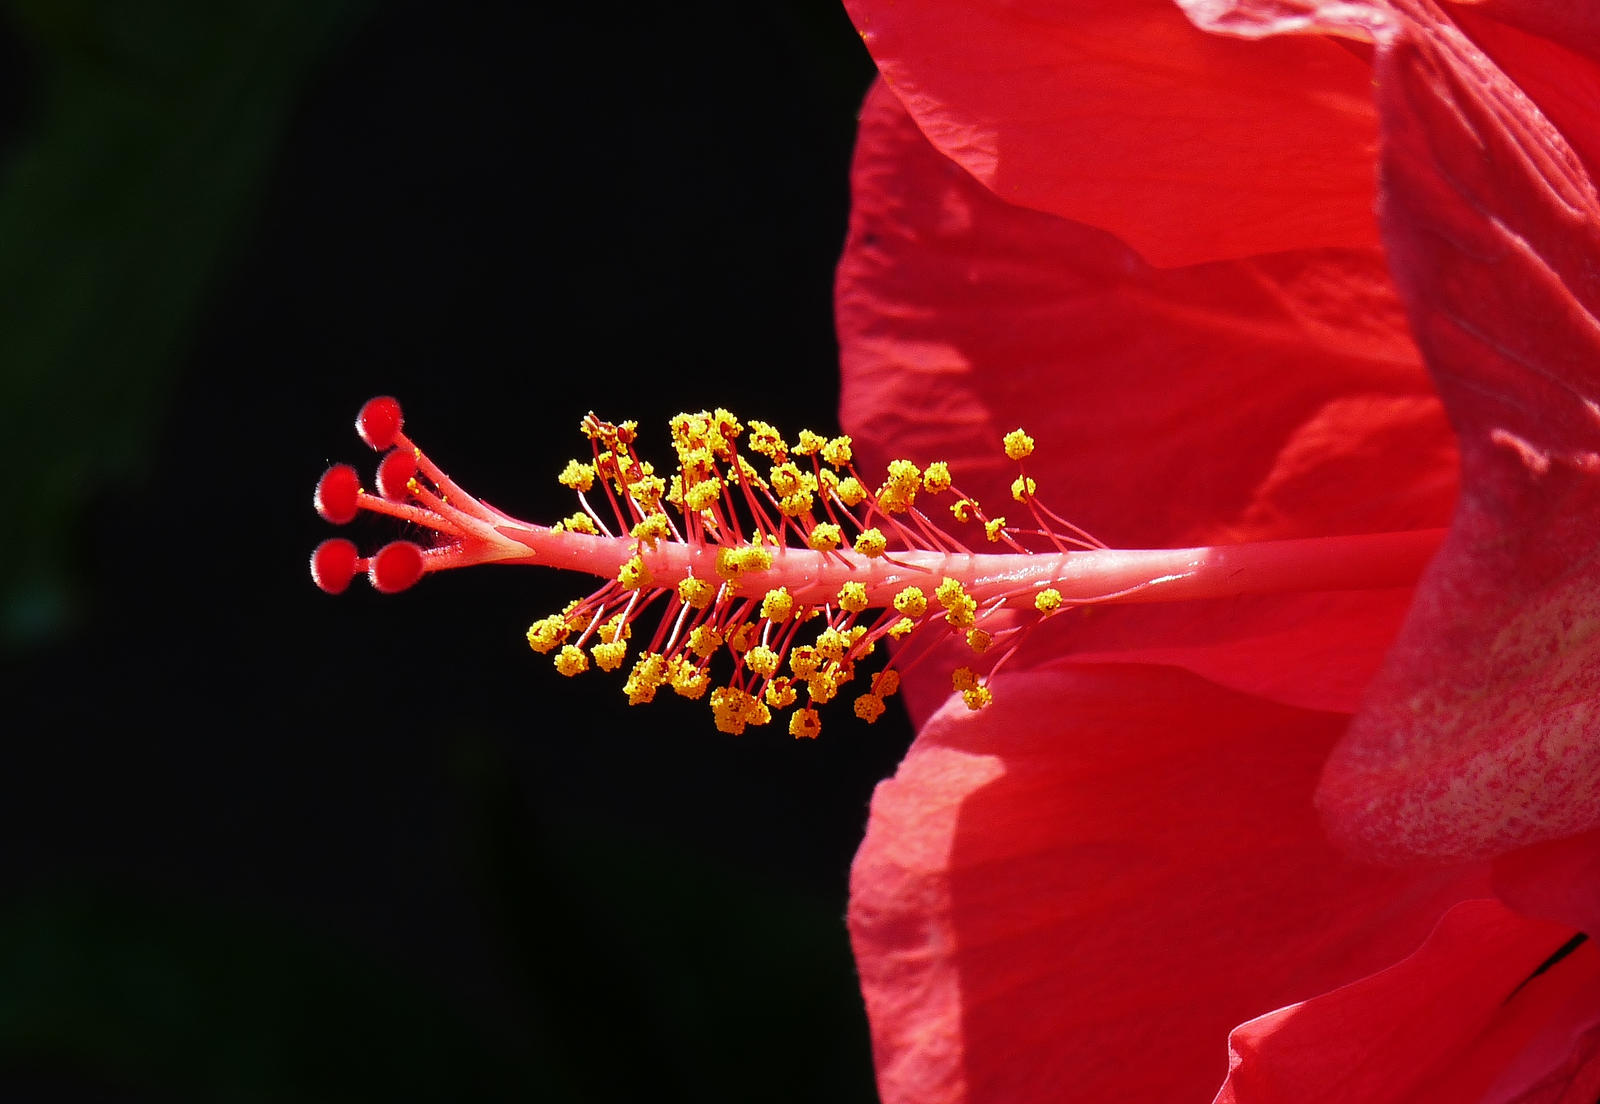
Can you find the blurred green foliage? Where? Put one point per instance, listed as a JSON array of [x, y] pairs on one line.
[[233, 878], [145, 128]]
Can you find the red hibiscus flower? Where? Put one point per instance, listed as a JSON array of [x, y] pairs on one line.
[[1347, 837]]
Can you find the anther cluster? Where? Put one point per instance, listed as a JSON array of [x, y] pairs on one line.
[[757, 575]]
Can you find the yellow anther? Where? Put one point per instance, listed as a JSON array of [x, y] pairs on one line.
[[580, 477], [787, 479], [570, 660], [851, 492], [689, 430], [777, 605], [853, 597], [730, 563], [804, 662], [652, 529], [1022, 488], [825, 537], [837, 452], [723, 433], [615, 629], [648, 492], [697, 463], [1047, 601], [960, 608], [573, 617], [703, 640], [871, 543], [936, 477], [634, 574], [687, 680], [703, 495], [832, 644], [911, 602], [1019, 446], [994, 527], [978, 640], [762, 660], [810, 443], [964, 509], [753, 558], [804, 724], [886, 683], [727, 708], [963, 678], [899, 491], [581, 522], [733, 709], [547, 632], [904, 474], [902, 628], [869, 707], [697, 593], [648, 674], [977, 697], [608, 657], [766, 441], [796, 504], [742, 639], [822, 687], [780, 693]]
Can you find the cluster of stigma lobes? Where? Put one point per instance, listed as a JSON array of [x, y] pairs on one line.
[[759, 574]]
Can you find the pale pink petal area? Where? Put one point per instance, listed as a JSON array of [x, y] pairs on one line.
[[1122, 115], [1493, 1007], [1078, 892], [1252, 400], [1482, 732]]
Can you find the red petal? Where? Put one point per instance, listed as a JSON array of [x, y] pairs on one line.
[[1277, 397], [1461, 1019], [1574, 25], [1556, 880], [1190, 147], [1479, 734], [1076, 893]]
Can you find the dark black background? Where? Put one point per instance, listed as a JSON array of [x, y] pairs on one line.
[[263, 844]]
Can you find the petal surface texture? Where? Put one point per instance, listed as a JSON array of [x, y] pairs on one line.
[[1188, 146], [1080, 896], [1266, 398], [1481, 733], [1470, 1016]]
